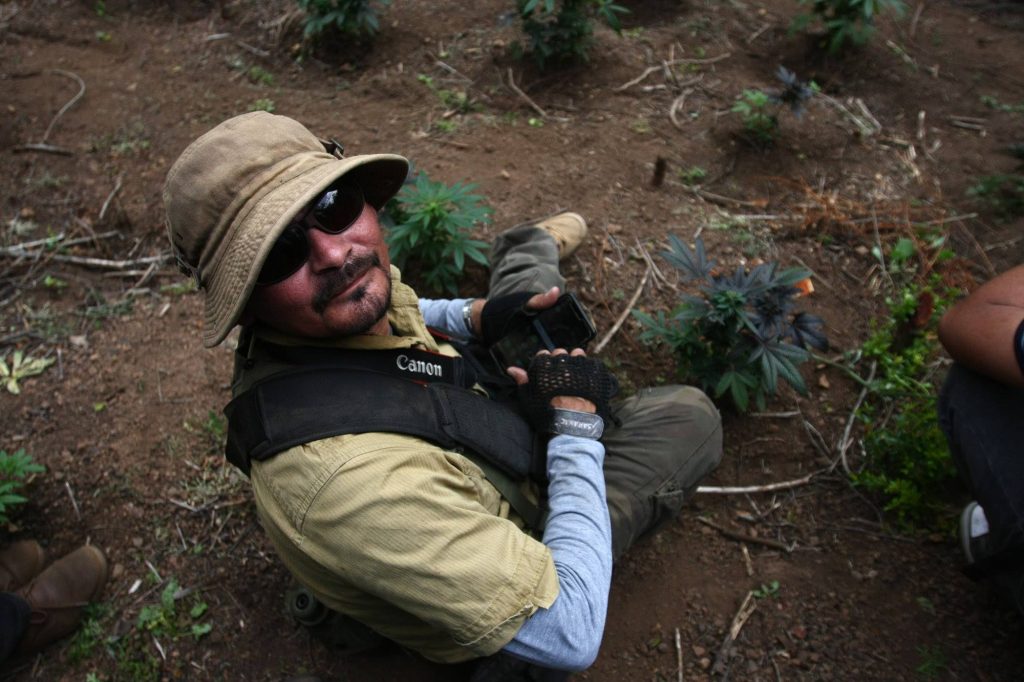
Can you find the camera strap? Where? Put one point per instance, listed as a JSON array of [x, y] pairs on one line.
[[332, 393]]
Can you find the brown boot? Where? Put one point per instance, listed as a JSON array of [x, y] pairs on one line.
[[19, 563], [568, 230], [58, 596]]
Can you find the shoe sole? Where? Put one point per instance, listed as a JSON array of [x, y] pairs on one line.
[[965, 531]]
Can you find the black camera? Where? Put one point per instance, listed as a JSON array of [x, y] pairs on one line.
[[564, 325]]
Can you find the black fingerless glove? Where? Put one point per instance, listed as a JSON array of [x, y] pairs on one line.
[[502, 314], [566, 375]]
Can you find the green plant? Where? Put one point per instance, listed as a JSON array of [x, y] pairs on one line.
[[22, 366], [759, 110], [429, 223], [453, 100], [993, 103], [263, 104], [260, 76], [769, 590], [350, 18], [693, 175], [1002, 193], [560, 32], [846, 21], [739, 336], [906, 455], [933, 661], [14, 470]]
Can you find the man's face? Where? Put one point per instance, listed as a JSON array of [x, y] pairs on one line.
[[343, 288]]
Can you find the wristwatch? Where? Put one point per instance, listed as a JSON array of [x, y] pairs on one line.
[[467, 315], [573, 423]]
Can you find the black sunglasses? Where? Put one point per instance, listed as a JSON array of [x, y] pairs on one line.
[[333, 212]]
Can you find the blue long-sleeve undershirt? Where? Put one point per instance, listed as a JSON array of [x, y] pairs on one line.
[[567, 635]]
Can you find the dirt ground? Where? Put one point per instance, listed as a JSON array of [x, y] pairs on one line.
[[125, 420]]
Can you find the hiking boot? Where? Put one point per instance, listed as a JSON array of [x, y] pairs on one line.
[[19, 563], [58, 597], [568, 230]]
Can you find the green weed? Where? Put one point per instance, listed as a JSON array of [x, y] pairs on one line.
[[457, 101], [693, 175], [993, 103], [15, 469], [846, 22], [933, 661], [346, 18], [429, 224], [766, 591], [560, 32], [1003, 194], [739, 336], [758, 115], [907, 458], [263, 104], [260, 76]]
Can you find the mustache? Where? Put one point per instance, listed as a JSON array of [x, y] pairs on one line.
[[336, 281]]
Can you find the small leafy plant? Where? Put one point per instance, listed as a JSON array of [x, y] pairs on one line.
[[739, 336], [759, 117], [457, 101], [14, 470], [349, 18], [560, 32], [1002, 193], [429, 224], [846, 21], [907, 458], [22, 366], [759, 110]]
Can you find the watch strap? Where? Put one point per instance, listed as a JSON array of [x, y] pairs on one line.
[[574, 423]]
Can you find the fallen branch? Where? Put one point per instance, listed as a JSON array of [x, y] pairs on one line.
[[30, 248], [70, 103], [45, 148], [747, 607], [625, 313], [677, 104], [110, 197], [671, 62], [524, 96], [105, 264], [844, 442], [679, 658], [863, 127], [745, 490], [743, 537]]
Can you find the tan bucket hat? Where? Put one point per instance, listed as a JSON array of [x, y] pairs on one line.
[[233, 191]]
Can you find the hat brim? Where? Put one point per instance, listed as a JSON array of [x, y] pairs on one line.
[[379, 175]]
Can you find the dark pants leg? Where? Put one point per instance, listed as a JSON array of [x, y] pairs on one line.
[[670, 437], [14, 615], [984, 422]]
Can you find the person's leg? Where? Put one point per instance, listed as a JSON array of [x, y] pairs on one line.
[[670, 438], [984, 423], [14, 617], [525, 257]]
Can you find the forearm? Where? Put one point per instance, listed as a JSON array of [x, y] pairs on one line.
[[446, 315], [979, 331], [578, 533]]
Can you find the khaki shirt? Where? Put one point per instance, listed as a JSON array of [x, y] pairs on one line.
[[401, 535]]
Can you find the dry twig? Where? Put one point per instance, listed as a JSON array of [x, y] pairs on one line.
[[743, 537], [744, 490], [70, 103], [625, 313], [845, 441], [523, 95]]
